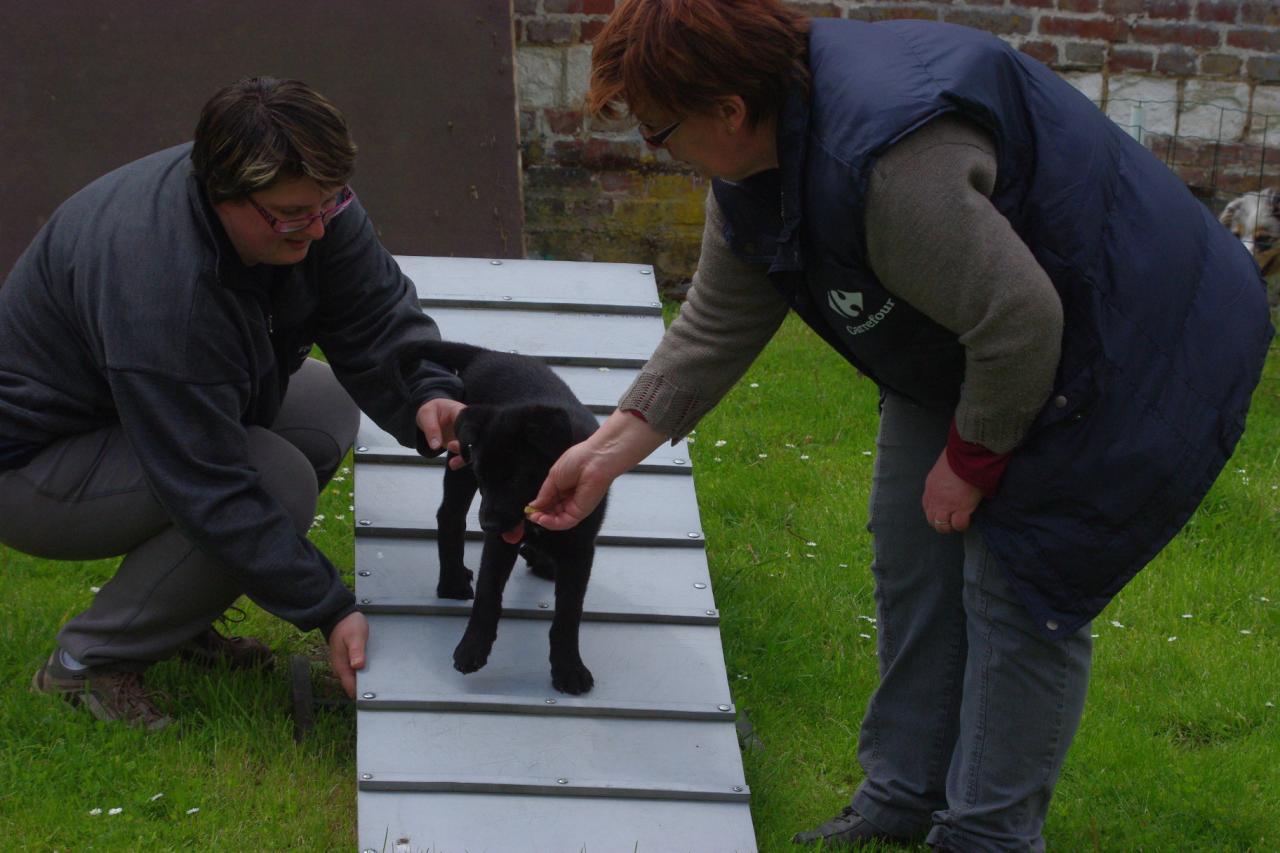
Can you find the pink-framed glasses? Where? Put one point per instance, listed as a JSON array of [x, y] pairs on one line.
[[289, 226]]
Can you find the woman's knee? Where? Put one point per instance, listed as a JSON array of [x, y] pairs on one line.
[[286, 474]]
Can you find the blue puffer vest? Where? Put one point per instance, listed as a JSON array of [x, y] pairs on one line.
[[1166, 324]]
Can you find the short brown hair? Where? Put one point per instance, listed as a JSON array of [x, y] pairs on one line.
[[259, 130], [684, 55]]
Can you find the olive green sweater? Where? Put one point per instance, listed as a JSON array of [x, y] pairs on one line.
[[934, 241]]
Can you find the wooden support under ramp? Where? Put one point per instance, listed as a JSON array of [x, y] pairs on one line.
[[499, 761]]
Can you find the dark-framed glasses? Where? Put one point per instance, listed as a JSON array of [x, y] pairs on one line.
[[658, 138], [288, 226]]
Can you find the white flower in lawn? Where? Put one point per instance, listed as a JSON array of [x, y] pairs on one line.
[[716, 459], [691, 440], [320, 517], [346, 470], [95, 812], [1115, 624], [156, 797], [114, 811], [865, 636], [1187, 616], [1245, 631], [811, 556], [789, 444], [812, 544], [844, 565], [804, 456], [866, 453], [721, 442], [95, 589], [192, 811], [351, 509], [870, 619], [1171, 639], [763, 455], [1269, 704], [1263, 598], [1095, 636], [339, 517], [755, 384]]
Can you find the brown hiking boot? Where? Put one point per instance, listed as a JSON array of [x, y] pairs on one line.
[[109, 696], [211, 649]]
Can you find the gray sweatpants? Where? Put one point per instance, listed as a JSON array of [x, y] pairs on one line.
[[85, 498], [965, 736]]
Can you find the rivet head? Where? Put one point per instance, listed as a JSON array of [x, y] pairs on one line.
[[725, 707], [711, 613], [1060, 401], [737, 787], [655, 304], [368, 695], [495, 263], [362, 449], [506, 299], [646, 272], [562, 781], [1052, 624], [549, 701], [699, 586], [366, 776], [364, 574], [542, 605], [364, 522], [365, 600], [677, 461], [694, 535]]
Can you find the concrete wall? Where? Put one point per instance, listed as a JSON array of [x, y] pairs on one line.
[[1197, 79]]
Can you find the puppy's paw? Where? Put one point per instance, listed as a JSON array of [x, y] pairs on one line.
[[457, 587], [471, 655], [572, 678]]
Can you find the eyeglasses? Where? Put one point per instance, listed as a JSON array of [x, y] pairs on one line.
[[289, 226], [657, 140]]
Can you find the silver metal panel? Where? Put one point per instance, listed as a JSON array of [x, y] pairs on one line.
[[471, 823], [653, 755], [642, 670], [628, 583], [399, 500], [598, 340], [490, 283], [373, 444]]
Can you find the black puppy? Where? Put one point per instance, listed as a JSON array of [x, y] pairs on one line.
[[519, 418]]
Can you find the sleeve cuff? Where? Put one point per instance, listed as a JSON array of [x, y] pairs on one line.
[[974, 463], [327, 625]]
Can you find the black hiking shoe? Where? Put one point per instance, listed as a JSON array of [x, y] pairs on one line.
[[847, 829], [211, 649]]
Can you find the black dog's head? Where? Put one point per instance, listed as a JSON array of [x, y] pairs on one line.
[[510, 450]]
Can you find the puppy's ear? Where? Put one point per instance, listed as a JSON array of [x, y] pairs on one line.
[[548, 429]]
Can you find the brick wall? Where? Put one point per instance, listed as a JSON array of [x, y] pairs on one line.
[[1197, 80]]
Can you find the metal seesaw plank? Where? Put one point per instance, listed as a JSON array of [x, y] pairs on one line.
[[558, 337], [686, 759], [477, 282], [644, 508], [640, 670], [471, 823], [373, 444], [628, 583]]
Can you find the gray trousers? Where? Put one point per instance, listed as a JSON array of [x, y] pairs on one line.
[[85, 498], [966, 734]]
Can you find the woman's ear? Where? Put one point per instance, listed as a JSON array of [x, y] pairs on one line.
[[733, 110]]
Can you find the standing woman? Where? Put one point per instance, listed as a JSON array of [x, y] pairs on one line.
[[1064, 339]]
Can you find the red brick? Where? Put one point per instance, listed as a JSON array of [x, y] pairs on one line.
[[564, 122], [1263, 40], [1218, 11], [617, 182], [1166, 34], [1078, 5], [525, 7], [1130, 60], [608, 153], [1095, 28], [1000, 23], [588, 30], [1169, 9], [597, 7], [1176, 62], [1044, 51], [895, 13], [817, 10], [1220, 65], [1266, 14]]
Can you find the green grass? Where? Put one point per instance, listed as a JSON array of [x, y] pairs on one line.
[[1179, 748]]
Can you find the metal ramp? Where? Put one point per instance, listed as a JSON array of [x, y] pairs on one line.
[[498, 761]]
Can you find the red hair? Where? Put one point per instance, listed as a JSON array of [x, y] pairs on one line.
[[683, 56]]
